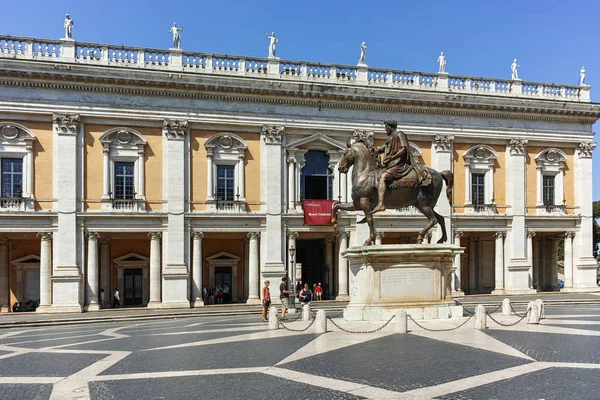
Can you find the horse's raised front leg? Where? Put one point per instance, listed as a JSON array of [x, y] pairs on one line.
[[366, 206], [336, 208]]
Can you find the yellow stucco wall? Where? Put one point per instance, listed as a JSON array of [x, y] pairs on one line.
[[94, 166], [569, 180], [199, 168]]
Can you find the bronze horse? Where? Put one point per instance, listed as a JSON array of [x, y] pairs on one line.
[[365, 176]]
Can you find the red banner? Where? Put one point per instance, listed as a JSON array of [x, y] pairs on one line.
[[317, 212]]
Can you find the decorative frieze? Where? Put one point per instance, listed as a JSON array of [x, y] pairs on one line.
[[585, 149], [66, 124], [272, 134], [443, 143], [174, 129], [518, 146]]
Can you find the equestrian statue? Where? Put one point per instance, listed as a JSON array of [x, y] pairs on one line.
[[397, 181]]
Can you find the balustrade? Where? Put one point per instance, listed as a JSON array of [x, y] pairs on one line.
[[41, 49], [11, 203]]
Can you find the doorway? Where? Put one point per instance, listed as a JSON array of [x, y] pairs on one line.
[[132, 286], [311, 254], [223, 280]]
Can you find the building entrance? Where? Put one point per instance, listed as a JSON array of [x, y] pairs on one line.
[[132, 286], [311, 254], [223, 280]]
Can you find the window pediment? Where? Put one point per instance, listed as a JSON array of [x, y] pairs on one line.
[[223, 259], [225, 144], [15, 134], [122, 138], [318, 141], [551, 159], [480, 157]]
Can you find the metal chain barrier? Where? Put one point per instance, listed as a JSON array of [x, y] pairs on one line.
[[372, 331], [517, 314], [296, 330], [337, 315], [508, 324], [473, 312], [297, 316], [439, 330]]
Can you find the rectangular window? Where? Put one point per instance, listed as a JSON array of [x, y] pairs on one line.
[[124, 177], [12, 177], [548, 190], [225, 182], [478, 189]]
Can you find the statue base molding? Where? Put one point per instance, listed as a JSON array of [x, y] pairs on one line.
[[413, 277]]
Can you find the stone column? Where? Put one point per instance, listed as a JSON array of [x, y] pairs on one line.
[[175, 273], [209, 177], [154, 269], [442, 160], [457, 282], [343, 268], [106, 180], [378, 237], [45, 271], [530, 236], [272, 159], [329, 242], [473, 250], [105, 267], [29, 182], [141, 189], [291, 183], [4, 275], [92, 272], [519, 266], [499, 264], [197, 300], [584, 263], [241, 189], [253, 284], [68, 239], [568, 262]]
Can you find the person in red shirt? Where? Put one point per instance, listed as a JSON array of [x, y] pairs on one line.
[[318, 292], [266, 300]]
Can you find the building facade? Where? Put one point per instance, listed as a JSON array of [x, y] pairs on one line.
[[158, 172]]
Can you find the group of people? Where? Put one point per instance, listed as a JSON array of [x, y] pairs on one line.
[[304, 293], [216, 295], [30, 305]]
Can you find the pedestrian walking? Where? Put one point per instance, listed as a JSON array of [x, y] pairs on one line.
[[318, 292], [266, 300], [116, 303], [102, 298], [284, 296], [305, 295]]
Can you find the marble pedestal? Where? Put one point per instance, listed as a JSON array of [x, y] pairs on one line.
[[66, 286], [388, 278], [175, 287]]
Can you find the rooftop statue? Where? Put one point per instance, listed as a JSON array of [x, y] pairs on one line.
[[68, 27], [176, 37], [397, 181], [363, 53], [582, 77], [442, 61], [514, 70], [272, 41]]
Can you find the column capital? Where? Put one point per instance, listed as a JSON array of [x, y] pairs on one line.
[[443, 143], [530, 234], [253, 235], [569, 235], [331, 239], [378, 234], [44, 236], [292, 234], [154, 235], [585, 149], [500, 235], [92, 235], [197, 235], [175, 129], [291, 159], [518, 146], [272, 134], [66, 124], [458, 234]]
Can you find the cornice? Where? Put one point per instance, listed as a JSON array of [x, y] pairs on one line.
[[285, 93]]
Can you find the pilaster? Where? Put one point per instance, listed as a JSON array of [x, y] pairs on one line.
[[175, 274]]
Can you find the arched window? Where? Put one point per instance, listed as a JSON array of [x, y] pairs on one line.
[[316, 182], [550, 169]]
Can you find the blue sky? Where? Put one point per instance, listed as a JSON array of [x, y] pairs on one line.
[[551, 39]]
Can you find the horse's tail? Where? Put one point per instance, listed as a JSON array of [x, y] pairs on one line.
[[449, 179]]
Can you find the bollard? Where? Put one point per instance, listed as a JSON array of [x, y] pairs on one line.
[[534, 313], [401, 321], [273, 318], [480, 318], [305, 312], [542, 309], [321, 322], [506, 307]]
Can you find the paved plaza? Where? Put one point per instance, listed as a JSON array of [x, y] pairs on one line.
[[232, 357]]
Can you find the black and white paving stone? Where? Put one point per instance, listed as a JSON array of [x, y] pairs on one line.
[[238, 357]]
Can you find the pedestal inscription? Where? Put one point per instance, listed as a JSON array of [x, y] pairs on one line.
[[406, 283]]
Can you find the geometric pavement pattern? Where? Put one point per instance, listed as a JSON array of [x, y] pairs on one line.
[[238, 357]]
